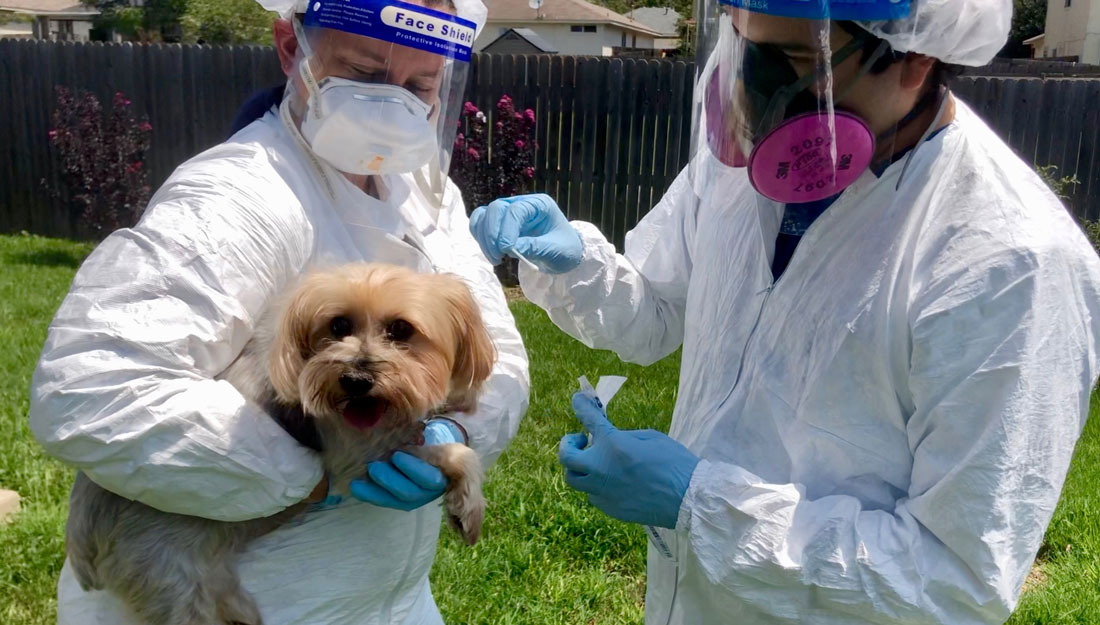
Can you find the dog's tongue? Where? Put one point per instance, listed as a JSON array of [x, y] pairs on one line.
[[364, 412]]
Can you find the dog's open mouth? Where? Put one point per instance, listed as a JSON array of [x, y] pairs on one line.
[[364, 412]]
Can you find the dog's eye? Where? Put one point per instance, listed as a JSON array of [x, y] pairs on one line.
[[399, 330], [340, 327]]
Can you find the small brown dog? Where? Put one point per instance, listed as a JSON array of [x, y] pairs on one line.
[[352, 363]]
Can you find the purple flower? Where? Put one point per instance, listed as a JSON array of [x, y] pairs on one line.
[[473, 154], [469, 109], [52, 134], [530, 115], [145, 126], [520, 144], [500, 125], [529, 172]]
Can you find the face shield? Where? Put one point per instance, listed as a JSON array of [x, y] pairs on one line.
[[381, 83], [780, 92]]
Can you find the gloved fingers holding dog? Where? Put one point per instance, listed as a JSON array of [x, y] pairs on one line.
[[405, 482]]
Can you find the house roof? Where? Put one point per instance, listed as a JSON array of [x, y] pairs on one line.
[[661, 19], [533, 38], [527, 35], [559, 11], [1035, 39], [48, 7]]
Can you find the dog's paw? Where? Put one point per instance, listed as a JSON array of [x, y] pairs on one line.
[[464, 501], [466, 511]]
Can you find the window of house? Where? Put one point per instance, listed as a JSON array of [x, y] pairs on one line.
[[1069, 3], [590, 29], [576, 28], [624, 40]]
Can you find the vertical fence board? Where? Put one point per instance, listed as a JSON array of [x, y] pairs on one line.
[[542, 118], [17, 147], [610, 156], [553, 129], [631, 146], [7, 141], [1089, 192], [1047, 123], [568, 121]]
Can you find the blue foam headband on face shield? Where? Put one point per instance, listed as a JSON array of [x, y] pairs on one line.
[[397, 22], [856, 10]]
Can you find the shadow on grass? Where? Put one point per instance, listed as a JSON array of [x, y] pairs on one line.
[[45, 258]]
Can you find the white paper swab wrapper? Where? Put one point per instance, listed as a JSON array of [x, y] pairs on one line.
[[605, 389]]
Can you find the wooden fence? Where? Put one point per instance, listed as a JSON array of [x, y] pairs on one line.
[[612, 133]]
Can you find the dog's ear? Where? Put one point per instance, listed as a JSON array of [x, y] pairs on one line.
[[290, 347], [474, 351]]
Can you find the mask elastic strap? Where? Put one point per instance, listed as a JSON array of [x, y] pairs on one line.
[[304, 69], [944, 96]]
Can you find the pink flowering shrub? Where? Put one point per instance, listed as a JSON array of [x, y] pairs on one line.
[[489, 165], [102, 159]]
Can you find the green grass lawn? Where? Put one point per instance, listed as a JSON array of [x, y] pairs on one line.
[[545, 557]]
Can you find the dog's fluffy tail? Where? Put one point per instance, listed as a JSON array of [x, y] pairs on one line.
[[80, 547]]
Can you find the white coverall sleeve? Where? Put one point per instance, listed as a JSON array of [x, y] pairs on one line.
[[125, 390], [632, 303], [504, 397], [1004, 356]]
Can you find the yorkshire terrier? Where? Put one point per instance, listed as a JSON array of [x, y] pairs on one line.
[[352, 362]]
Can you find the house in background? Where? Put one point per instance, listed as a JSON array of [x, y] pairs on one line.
[[520, 41], [56, 20], [1072, 31], [568, 26], [1036, 44], [664, 20]]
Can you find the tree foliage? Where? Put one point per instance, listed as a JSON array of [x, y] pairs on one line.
[[1028, 20], [227, 21], [155, 20], [188, 21]]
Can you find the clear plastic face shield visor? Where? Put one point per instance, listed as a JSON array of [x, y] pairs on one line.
[[780, 92], [380, 83]]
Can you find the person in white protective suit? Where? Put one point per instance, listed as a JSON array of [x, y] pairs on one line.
[[349, 168], [890, 328]]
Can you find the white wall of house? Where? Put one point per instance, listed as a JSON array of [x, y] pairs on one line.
[[566, 40], [1073, 30], [18, 30]]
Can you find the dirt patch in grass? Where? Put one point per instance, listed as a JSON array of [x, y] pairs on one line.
[[514, 294], [1036, 578]]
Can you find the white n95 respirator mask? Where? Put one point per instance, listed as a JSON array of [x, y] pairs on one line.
[[367, 128], [362, 115]]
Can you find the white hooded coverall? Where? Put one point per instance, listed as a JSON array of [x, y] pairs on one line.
[[125, 392], [885, 429]]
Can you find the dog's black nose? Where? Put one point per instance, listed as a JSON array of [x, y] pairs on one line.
[[356, 386]]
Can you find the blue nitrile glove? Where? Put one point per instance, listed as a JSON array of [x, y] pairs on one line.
[[638, 476], [406, 482], [531, 226]]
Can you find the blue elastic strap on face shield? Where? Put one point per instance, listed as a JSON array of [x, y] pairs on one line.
[[856, 10]]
